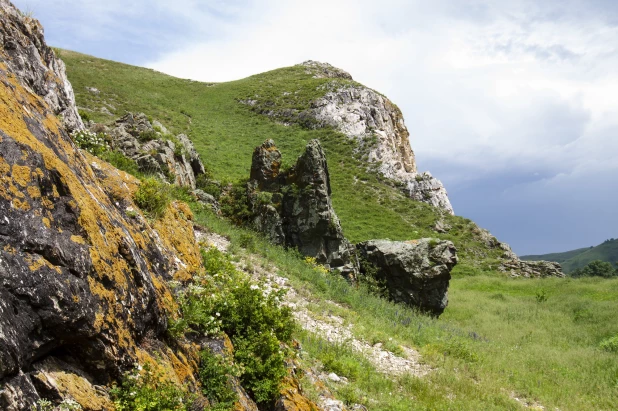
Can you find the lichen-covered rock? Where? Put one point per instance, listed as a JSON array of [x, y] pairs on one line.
[[154, 151], [416, 272], [27, 56], [300, 212], [83, 273]]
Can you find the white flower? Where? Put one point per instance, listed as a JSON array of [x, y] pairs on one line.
[[254, 287], [218, 314]]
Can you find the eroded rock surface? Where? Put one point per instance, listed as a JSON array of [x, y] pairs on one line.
[[294, 207], [416, 272], [83, 292], [27, 56]]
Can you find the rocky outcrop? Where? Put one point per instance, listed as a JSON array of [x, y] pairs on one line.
[[154, 150], [373, 121], [531, 269], [512, 265], [378, 126], [83, 292], [26, 55], [294, 207], [415, 272]]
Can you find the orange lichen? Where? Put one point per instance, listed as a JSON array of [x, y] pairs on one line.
[[77, 388], [176, 232], [46, 222]]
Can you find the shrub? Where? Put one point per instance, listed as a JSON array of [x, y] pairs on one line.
[[215, 375], [610, 344], [225, 300], [596, 268], [93, 143], [205, 183], [153, 197], [144, 390], [148, 135], [235, 203], [84, 115]]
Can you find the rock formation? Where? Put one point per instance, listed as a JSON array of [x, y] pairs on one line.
[[294, 208], [27, 56], [415, 272], [511, 264], [374, 122], [154, 150], [83, 273]]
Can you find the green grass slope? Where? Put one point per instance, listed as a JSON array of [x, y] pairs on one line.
[[225, 132], [572, 260], [502, 343]]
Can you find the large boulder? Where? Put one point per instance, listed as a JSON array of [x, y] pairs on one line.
[[294, 207], [531, 269], [415, 272]]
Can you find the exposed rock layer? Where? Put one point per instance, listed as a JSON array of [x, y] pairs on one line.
[[83, 275], [155, 150], [416, 272], [27, 56]]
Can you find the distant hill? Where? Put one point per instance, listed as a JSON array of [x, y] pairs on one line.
[[571, 260]]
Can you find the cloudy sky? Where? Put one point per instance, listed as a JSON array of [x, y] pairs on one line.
[[512, 104]]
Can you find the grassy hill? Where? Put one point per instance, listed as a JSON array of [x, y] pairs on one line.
[[572, 260], [225, 132], [502, 343]]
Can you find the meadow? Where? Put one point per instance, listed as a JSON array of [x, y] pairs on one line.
[[502, 343]]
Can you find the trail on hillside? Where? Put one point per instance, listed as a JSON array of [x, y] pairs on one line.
[[330, 327]]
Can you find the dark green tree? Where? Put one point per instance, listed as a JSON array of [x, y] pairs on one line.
[[596, 268]]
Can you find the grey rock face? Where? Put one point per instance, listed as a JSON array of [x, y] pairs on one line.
[[416, 272], [35, 65], [300, 212], [177, 158]]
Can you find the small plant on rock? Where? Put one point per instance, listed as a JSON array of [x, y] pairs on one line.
[[153, 197], [93, 143]]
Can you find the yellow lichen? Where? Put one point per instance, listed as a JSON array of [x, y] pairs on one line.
[[78, 239], [21, 175], [34, 192], [46, 222], [20, 205]]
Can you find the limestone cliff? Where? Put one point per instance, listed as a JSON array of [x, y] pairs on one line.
[[378, 126]]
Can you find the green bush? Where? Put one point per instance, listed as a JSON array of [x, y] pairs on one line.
[[610, 344], [153, 197], [84, 115], [215, 375], [146, 136], [145, 390], [235, 203], [225, 300], [596, 268], [205, 183]]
